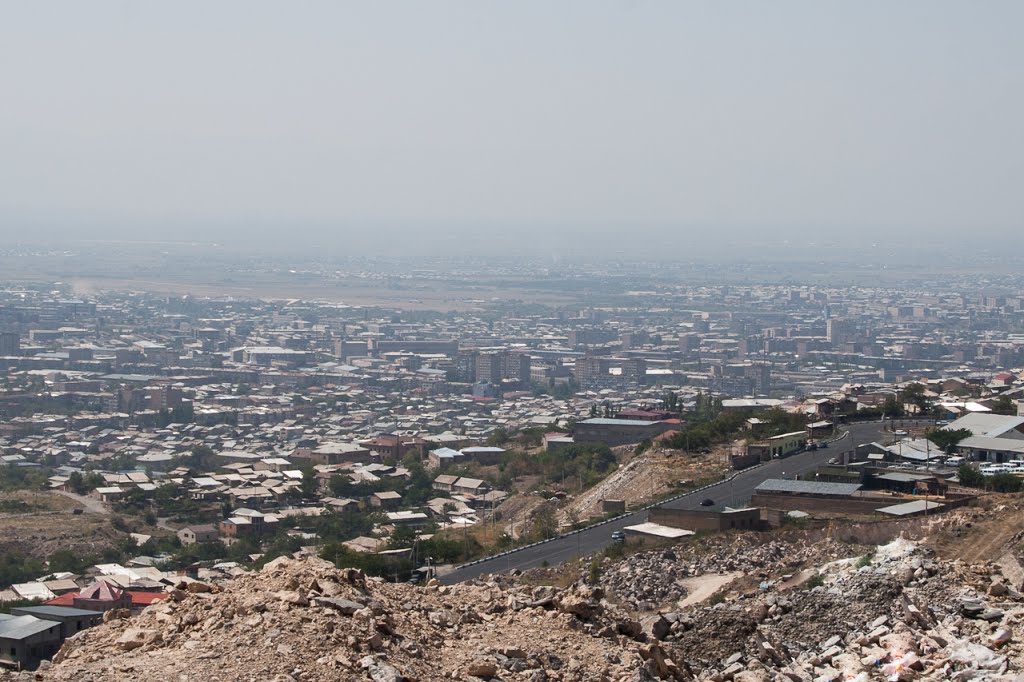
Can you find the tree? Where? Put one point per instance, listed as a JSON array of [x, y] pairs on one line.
[[914, 394], [202, 458], [308, 486], [66, 561], [947, 439], [544, 524], [498, 437], [573, 517], [402, 538], [970, 477], [1004, 405], [1003, 483], [892, 407], [77, 483], [183, 414]]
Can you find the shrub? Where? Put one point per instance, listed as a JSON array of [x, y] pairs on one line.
[[815, 581]]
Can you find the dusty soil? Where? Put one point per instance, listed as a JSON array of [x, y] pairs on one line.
[[701, 587], [49, 524], [516, 512], [981, 532], [641, 478]]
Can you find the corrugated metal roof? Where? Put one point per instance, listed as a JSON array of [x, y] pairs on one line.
[[57, 611], [22, 627], [996, 444], [778, 485], [985, 424], [601, 421]]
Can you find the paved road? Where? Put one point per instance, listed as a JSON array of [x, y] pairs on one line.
[[728, 493]]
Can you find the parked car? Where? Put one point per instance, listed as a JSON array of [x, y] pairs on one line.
[[618, 536], [707, 502]]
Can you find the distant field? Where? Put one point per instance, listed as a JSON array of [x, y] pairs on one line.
[[450, 284], [38, 524]]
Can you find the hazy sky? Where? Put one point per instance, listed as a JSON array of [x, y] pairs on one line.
[[472, 121]]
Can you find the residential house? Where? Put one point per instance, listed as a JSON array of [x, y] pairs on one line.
[[386, 499], [469, 486], [190, 535], [445, 483], [101, 596], [27, 640]]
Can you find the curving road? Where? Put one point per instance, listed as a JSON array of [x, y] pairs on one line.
[[736, 491]]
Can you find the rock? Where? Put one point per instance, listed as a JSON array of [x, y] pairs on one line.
[[133, 638], [293, 597], [899, 641], [731, 670], [752, 676], [578, 606], [630, 628], [830, 642], [480, 668], [198, 588], [344, 606], [656, 627], [382, 672], [998, 589], [1001, 637], [972, 607]]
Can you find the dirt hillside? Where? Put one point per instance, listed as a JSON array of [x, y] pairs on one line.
[[793, 606]]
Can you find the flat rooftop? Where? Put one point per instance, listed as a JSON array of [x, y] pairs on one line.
[[779, 485]]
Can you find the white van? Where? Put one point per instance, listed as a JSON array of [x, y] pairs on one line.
[[954, 461]]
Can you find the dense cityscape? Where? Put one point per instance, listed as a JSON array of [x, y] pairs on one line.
[[206, 437]]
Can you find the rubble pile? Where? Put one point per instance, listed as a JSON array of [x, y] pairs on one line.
[[647, 580], [306, 620], [652, 579], [899, 613]]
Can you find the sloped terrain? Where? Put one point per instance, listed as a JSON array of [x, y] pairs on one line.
[[899, 611], [39, 524]]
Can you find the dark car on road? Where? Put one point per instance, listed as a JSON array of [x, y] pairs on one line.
[[707, 502]]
